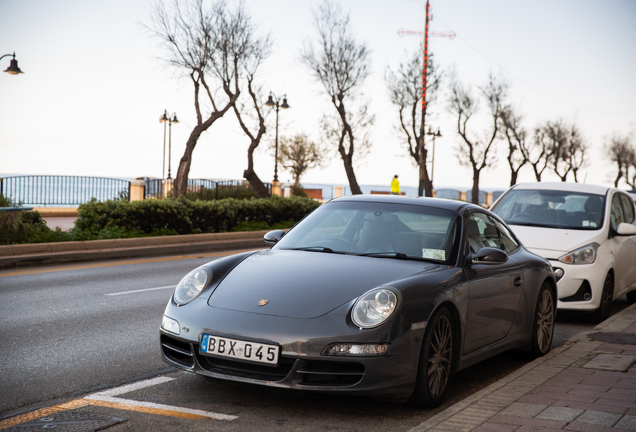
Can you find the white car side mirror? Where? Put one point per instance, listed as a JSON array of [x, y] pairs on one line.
[[626, 229]]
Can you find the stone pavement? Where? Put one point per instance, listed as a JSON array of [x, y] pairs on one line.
[[588, 384]]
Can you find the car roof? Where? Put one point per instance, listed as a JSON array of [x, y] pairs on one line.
[[447, 204], [564, 186]]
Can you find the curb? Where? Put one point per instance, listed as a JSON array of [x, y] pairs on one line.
[[477, 408], [66, 252]]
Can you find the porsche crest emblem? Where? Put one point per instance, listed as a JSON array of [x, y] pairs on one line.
[[263, 302]]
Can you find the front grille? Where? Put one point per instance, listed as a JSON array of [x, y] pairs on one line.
[[177, 351], [328, 373], [246, 370]]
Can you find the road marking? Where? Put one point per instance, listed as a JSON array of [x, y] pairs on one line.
[[128, 262], [141, 290], [107, 399]]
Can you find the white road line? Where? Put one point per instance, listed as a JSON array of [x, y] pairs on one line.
[[135, 386], [108, 396], [141, 290]]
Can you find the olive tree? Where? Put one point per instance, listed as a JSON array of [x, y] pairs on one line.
[[298, 154], [620, 151], [566, 150], [341, 64], [210, 45]]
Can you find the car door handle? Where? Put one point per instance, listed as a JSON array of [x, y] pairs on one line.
[[518, 281]]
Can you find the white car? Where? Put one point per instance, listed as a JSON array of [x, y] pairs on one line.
[[588, 234]]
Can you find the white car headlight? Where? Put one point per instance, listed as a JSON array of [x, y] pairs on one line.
[[584, 255], [374, 308], [192, 285]]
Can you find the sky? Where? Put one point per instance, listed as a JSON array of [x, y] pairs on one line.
[[94, 85]]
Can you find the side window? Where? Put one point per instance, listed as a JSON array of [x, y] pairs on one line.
[[628, 208], [617, 216], [482, 232], [508, 243]]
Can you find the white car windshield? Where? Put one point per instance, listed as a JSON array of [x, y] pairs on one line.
[[552, 209]]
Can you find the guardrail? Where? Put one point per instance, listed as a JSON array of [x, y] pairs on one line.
[[204, 189], [63, 190]]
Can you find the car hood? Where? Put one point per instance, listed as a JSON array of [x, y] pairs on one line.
[[551, 243], [302, 284]]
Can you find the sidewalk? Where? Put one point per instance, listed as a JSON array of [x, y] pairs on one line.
[[588, 384]]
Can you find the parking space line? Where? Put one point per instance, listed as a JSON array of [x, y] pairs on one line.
[[107, 399]]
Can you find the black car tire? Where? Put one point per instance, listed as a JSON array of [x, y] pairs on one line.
[[631, 297], [436, 359], [603, 311], [543, 323]]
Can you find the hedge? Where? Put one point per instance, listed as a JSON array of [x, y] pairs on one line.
[[184, 216]]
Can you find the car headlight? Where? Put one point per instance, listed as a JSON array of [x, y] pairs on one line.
[[374, 308], [584, 255], [192, 285]]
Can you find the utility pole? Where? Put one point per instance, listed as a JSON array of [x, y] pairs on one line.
[[450, 35]]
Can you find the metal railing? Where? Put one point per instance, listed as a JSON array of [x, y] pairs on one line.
[[204, 189], [63, 190]]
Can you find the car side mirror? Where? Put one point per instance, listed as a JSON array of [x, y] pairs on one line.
[[488, 255], [273, 237], [626, 229]]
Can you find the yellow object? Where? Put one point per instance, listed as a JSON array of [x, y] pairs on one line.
[[395, 186]]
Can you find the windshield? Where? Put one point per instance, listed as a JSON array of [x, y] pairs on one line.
[[379, 230], [552, 209]]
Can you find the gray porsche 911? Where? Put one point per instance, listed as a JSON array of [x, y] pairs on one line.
[[383, 296]]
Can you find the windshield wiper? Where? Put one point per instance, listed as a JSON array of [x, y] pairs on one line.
[[531, 224], [317, 249], [394, 255]]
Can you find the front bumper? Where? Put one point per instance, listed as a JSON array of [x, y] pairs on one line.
[[574, 279], [301, 365]]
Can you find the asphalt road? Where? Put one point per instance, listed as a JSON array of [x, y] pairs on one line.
[[72, 330]]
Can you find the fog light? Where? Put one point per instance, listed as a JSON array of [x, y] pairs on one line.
[[342, 349], [558, 273], [168, 324]]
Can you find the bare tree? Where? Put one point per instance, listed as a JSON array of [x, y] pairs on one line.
[[516, 136], [298, 154], [405, 89], [476, 150], [252, 112], [538, 156], [565, 147], [209, 45], [341, 64], [620, 151]]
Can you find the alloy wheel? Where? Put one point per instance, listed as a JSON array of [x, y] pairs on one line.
[[439, 361]]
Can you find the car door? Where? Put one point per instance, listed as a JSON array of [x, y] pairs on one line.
[[494, 290], [622, 248]]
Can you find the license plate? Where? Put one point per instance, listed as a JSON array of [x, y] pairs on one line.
[[240, 350]]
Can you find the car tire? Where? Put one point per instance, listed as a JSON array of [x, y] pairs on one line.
[[631, 297], [603, 311], [543, 322], [436, 360]]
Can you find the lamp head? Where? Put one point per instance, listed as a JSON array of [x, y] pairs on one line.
[[270, 101], [164, 118], [284, 104], [430, 132], [438, 135], [13, 68], [174, 120]]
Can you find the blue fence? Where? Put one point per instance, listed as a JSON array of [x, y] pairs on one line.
[[63, 190]]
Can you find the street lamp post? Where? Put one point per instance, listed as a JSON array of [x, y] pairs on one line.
[[434, 135], [272, 101], [13, 68], [165, 119]]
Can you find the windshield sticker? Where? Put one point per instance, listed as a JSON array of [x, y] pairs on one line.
[[438, 254]]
